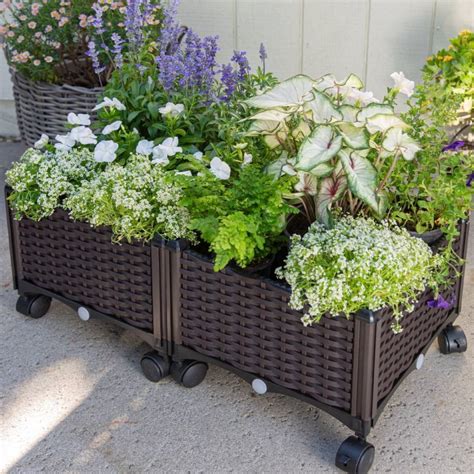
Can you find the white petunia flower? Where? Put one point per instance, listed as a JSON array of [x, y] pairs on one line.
[[363, 98], [172, 110], [402, 84], [65, 142], [220, 169], [83, 135], [79, 119], [398, 142], [159, 156], [112, 103], [105, 151], [247, 158], [112, 127], [42, 142], [169, 146], [145, 147], [198, 155]]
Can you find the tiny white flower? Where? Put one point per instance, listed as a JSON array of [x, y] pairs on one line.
[[173, 110], [145, 147], [79, 119], [198, 155], [159, 156], [398, 142], [65, 142], [402, 84], [113, 103], [247, 158], [42, 142], [220, 169], [184, 173], [112, 127], [83, 135], [105, 151]]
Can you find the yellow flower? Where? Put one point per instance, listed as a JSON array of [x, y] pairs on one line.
[[447, 58], [464, 32], [429, 58]]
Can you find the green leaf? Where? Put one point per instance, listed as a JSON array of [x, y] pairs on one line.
[[322, 108], [354, 137], [133, 115], [322, 170], [330, 190], [153, 108], [361, 177], [322, 145], [286, 93], [275, 169]]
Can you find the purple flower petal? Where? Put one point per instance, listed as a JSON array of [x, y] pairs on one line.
[[454, 146], [470, 179], [440, 303]]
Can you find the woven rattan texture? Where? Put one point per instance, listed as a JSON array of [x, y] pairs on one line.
[[399, 351], [43, 108], [246, 323], [82, 264]]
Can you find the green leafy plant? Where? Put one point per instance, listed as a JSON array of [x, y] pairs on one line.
[[341, 142], [358, 264], [40, 180], [241, 220]]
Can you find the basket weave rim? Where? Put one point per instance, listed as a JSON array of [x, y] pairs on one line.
[[54, 87]]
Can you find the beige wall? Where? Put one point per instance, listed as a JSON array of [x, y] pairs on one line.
[[372, 38]]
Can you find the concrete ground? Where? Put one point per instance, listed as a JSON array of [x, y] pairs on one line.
[[74, 400]]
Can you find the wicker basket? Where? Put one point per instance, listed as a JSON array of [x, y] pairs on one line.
[[43, 108]]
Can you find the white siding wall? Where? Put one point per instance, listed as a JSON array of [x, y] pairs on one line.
[[372, 38]]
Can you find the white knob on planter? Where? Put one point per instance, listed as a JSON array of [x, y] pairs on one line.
[[259, 386], [83, 313], [420, 361]]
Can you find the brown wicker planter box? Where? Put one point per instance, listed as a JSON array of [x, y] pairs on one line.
[[43, 108]]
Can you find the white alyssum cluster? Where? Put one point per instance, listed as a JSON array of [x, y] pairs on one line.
[[40, 180], [358, 264], [137, 200]]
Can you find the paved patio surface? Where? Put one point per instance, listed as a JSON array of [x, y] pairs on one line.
[[73, 399]]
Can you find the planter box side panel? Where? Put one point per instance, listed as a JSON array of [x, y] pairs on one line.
[[246, 323], [399, 351], [80, 263]]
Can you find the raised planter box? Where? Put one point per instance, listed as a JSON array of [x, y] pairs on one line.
[[171, 297]]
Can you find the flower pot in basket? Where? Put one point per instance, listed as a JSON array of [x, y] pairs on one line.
[[42, 108], [347, 367]]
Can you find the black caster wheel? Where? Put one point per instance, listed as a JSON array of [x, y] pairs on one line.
[[189, 373], [452, 339], [154, 366], [34, 306], [355, 455]]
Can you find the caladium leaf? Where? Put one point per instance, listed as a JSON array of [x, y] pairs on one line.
[[330, 190], [273, 115], [322, 145], [291, 92], [349, 113], [361, 177], [355, 137], [353, 81], [374, 109], [275, 169], [382, 122], [322, 170], [307, 184], [325, 82], [322, 108], [302, 130], [262, 127]]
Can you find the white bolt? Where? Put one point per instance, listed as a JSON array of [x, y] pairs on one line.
[[83, 313], [420, 361], [259, 386]]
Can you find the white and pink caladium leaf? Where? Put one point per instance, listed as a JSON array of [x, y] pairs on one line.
[[292, 92], [383, 122], [372, 110], [319, 147], [354, 137], [330, 190], [322, 109], [361, 177]]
